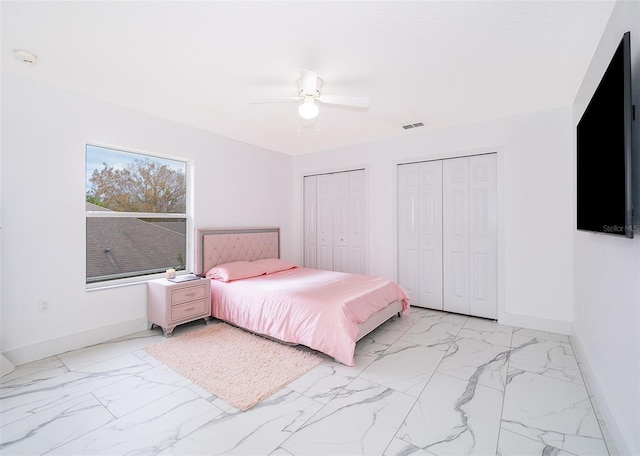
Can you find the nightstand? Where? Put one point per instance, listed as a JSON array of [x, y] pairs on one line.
[[171, 304]]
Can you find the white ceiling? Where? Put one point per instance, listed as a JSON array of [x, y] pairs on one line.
[[200, 63]]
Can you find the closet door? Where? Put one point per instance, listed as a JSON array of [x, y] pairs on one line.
[[348, 221], [357, 221], [430, 235], [408, 232], [324, 222], [340, 207], [447, 234], [309, 222], [334, 221], [456, 234], [483, 237], [470, 240], [420, 232]]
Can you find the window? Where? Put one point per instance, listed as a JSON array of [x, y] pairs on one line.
[[136, 214]]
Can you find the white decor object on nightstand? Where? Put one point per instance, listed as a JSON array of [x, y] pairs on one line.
[[170, 304]]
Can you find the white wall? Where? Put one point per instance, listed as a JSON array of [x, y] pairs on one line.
[[535, 205], [44, 132], [607, 271]]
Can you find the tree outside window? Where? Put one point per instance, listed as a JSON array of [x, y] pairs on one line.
[[136, 222]]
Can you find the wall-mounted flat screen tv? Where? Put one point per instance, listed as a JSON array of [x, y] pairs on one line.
[[604, 174]]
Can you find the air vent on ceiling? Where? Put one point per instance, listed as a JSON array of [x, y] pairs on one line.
[[415, 125]]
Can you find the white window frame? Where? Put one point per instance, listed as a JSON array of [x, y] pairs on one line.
[[188, 216]]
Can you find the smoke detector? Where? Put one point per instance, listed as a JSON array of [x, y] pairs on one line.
[[26, 57]]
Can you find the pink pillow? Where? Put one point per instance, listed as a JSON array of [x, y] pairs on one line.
[[236, 270], [275, 264]]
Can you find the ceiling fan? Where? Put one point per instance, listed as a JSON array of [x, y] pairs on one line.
[[309, 86]]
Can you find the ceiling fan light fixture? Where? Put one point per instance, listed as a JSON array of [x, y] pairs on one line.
[[308, 109]]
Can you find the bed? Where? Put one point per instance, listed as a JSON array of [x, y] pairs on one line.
[[252, 288]]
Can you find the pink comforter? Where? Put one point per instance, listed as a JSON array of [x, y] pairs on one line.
[[316, 308]]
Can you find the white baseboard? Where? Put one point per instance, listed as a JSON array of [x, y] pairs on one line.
[[541, 324], [75, 341]]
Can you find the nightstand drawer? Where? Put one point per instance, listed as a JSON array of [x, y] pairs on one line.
[[187, 294], [189, 309]]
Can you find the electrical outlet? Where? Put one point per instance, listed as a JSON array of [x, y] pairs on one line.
[[43, 306]]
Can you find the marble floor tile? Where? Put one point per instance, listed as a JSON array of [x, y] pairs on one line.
[[53, 425], [259, 430], [405, 367], [427, 383], [453, 417], [474, 358], [78, 359], [548, 357], [147, 358], [408, 319], [489, 331], [23, 402], [435, 329], [29, 382], [116, 367], [379, 340], [150, 386], [606, 432], [361, 420], [280, 452], [215, 400], [399, 447], [524, 333], [33, 372], [555, 412], [512, 444], [147, 430], [325, 381]]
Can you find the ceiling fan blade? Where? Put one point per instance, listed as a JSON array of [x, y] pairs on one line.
[[359, 102], [275, 100], [307, 82]]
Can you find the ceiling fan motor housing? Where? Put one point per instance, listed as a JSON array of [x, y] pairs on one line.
[[309, 88]]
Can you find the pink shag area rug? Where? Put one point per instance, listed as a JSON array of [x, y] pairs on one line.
[[235, 365]]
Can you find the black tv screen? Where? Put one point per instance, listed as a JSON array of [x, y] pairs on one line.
[[604, 151]]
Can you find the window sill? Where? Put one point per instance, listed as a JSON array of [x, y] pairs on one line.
[[121, 282]]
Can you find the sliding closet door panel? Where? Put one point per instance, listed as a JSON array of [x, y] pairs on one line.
[[357, 213], [310, 234], [334, 221], [447, 234], [483, 243], [340, 222], [456, 234], [324, 213], [430, 235], [348, 221], [408, 233]]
